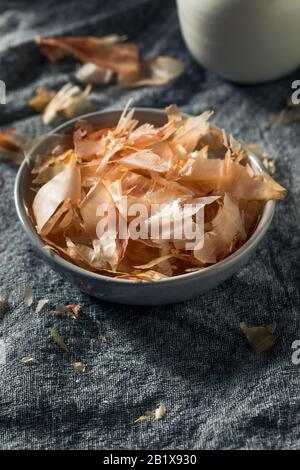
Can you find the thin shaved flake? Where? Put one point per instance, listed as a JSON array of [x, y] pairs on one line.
[[147, 415], [157, 414], [70, 100], [155, 261], [109, 52], [226, 227], [74, 309], [93, 74], [79, 366], [4, 304], [199, 168], [42, 98], [12, 146], [146, 160], [65, 185], [97, 195], [160, 411], [192, 130], [41, 304], [260, 338], [243, 184], [126, 119], [85, 147], [58, 340], [29, 296], [28, 360], [156, 71]]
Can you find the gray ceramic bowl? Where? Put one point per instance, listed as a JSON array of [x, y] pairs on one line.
[[160, 292]]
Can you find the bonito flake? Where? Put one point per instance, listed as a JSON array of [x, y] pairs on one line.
[[105, 56], [12, 146], [139, 202]]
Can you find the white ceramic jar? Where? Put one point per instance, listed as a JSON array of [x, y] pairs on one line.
[[246, 41]]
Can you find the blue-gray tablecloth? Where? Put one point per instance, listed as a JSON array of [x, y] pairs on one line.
[[190, 356]]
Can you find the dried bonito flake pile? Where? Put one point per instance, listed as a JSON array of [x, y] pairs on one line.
[[186, 161], [104, 57]]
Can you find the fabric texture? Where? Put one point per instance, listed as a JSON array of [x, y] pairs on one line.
[[190, 356]]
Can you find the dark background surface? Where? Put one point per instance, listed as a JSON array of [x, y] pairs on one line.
[[191, 356]]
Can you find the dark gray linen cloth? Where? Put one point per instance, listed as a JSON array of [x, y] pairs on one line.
[[190, 356]]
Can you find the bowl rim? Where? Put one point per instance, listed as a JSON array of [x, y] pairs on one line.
[[53, 258]]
